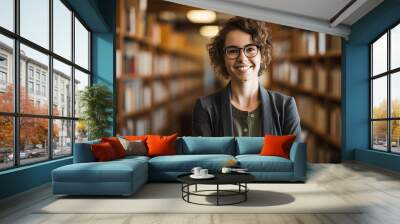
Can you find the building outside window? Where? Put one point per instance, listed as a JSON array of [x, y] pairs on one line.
[[385, 92]]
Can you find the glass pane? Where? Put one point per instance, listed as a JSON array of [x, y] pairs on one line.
[[6, 74], [395, 136], [395, 94], [62, 29], [62, 138], [6, 142], [7, 14], [379, 135], [33, 139], [395, 47], [81, 45], [81, 131], [62, 89], [34, 92], [35, 21], [81, 81], [379, 55], [379, 100]]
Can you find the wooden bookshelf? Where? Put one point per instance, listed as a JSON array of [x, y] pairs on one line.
[[156, 71], [306, 65]]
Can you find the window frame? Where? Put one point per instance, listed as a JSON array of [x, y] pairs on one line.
[[16, 115], [388, 74]]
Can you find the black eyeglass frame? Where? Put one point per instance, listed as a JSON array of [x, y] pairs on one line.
[[241, 49]]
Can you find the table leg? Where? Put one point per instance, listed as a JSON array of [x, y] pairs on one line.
[[196, 188], [245, 191], [217, 194]]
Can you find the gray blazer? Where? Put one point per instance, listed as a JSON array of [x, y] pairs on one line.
[[212, 115]]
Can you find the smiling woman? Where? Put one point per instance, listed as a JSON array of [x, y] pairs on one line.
[[241, 52]]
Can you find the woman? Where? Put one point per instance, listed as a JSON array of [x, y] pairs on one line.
[[241, 52]]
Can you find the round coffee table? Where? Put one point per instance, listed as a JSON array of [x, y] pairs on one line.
[[238, 179]]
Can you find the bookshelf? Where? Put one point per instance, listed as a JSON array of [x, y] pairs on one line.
[[306, 65], [159, 71]]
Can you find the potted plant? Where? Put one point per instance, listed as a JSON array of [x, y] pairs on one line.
[[96, 103]]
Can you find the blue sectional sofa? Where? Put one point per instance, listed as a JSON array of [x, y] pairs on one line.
[[125, 176]]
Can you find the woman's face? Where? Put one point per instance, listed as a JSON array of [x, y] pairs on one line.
[[242, 68]]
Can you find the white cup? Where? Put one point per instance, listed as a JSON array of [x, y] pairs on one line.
[[226, 170], [203, 172], [196, 171]]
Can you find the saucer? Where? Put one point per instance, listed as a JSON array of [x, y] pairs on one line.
[[208, 176]]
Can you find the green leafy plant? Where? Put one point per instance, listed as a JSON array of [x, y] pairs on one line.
[[96, 102]]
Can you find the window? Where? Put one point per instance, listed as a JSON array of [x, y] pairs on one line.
[[30, 72], [3, 61], [38, 89], [30, 87], [3, 78], [39, 80], [385, 94], [43, 90]]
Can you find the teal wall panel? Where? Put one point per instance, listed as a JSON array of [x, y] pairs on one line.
[[356, 101]]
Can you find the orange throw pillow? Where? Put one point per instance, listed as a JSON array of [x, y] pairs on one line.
[[135, 138], [103, 152], [161, 145], [277, 145], [116, 145]]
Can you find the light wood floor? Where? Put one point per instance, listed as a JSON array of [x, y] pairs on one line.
[[377, 188]]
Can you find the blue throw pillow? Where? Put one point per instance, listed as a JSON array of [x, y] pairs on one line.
[[249, 145], [208, 145]]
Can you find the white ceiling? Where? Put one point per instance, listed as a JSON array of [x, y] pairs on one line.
[[314, 15]]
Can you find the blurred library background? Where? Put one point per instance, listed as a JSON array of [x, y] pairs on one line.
[[163, 67]]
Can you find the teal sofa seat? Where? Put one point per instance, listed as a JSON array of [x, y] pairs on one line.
[[167, 168], [125, 176]]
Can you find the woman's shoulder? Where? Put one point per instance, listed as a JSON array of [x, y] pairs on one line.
[[211, 98], [278, 97]]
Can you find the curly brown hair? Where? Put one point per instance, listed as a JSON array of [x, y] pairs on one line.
[[259, 32]]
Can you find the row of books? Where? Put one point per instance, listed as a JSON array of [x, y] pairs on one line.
[[161, 92], [159, 120], [323, 118], [317, 78], [179, 86], [136, 127], [144, 62], [136, 95], [310, 43], [318, 151]]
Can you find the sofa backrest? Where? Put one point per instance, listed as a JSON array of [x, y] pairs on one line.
[[83, 152], [206, 145], [249, 145]]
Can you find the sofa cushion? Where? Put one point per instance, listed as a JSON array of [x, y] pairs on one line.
[[249, 145], [161, 145], [116, 145], [257, 163], [133, 147], [111, 171], [185, 163], [207, 145], [277, 145], [103, 151]]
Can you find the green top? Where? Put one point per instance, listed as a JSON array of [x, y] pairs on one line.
[[247, 123]]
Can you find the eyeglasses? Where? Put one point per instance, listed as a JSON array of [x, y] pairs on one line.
[[250, 50]]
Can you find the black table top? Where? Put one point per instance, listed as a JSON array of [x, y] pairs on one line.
[[220, 178]]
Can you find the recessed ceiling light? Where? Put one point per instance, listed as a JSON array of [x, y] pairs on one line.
[[201, 16], [209, 31]]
